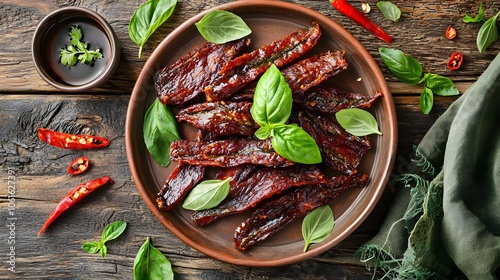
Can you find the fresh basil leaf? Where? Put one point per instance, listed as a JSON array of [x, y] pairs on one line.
[[426, 100], [317, 225], [478, 18], [160, 130], [149, 263], [272, 101], [488, 33], [407, 69], [113, 230], [220, 27], [390, 11], [440, 85], [293, 143], [207, 194], [92, 247], [264, 132], [147, 18], [357, 122], [104, 250]]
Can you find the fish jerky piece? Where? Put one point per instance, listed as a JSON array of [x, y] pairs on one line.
[[277, 213], [311, 71], [261, 185], [220, 118], [185, 79], [248, 67], [226, 153], [342, 150], [180, 182], [328, 99]]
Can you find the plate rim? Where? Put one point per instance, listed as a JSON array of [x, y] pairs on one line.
[[392, 145]]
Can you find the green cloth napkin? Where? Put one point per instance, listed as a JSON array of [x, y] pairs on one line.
[[446, 223]]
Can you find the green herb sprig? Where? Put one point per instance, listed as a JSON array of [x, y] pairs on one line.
[[110, 232], [150, 263], [389, 10], [408, 70], [160, 130], [488, 33], [317, 225], [271, 108], [220, 27], [78, 50], [207, 194], [147, 18]]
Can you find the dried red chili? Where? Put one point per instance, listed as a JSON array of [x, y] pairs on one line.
[[349, 11], [71, 141], [78, 166], [72, 197], [450, 33], [455, 61]]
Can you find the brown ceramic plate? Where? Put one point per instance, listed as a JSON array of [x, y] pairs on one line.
[[269, 21]]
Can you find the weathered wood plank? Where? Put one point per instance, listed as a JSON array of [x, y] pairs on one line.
[[420, 32]]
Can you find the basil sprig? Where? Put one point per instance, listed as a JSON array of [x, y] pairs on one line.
[[147, 18], [478, 18], [220, 27], [357, 122], [488, 33], [150, 263], [317, 225], [271, 108], [389, 10], [207, 194], [160, 130], [409, 71], [110, 232]]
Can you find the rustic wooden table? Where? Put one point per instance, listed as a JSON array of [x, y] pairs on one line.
[[38, 170]]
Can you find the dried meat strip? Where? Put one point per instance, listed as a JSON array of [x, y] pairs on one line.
[[220, 118], [185, 79], [180, 182], [261, 185], [328, 99], [311, 71], [277, 213], [247, 67], [226, 153], [342, 150], [304, 74], [238, 174]]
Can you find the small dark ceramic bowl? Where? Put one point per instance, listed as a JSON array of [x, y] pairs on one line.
[[53, 34]]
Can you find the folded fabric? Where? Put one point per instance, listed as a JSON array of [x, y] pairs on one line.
[[445, 222]]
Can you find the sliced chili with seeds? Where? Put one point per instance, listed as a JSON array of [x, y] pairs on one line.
[[78, 166], [450, 33], [455, 61], [71, 141], [72, 197]]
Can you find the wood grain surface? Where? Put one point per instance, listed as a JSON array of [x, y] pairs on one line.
[[27, 102]]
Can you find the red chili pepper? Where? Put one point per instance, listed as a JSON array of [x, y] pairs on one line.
[[71, 141], [455, 61], [349, 11], [450, 33], [71, 198], [78, 166]]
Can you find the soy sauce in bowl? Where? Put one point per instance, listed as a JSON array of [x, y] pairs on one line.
[[53, 34], [58, 38]]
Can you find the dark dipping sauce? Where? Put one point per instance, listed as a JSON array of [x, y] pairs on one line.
[[57, 37]]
